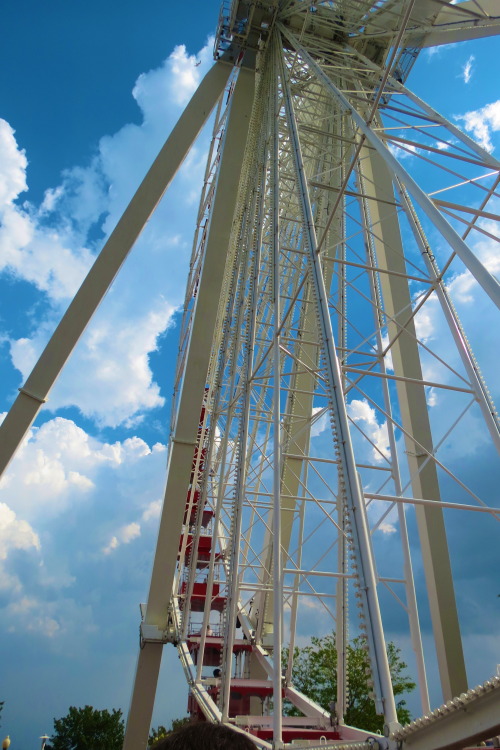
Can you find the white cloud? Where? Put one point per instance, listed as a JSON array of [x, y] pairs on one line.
[[463, 286], [467, 69], [28, 249], [175, 81], [123, 536], [387, 528], [389, 366], [424, 324], [152, 511], [65, 499], [49, 619], [132, 530], [320, 423], [60, 467], [482, 123], [38, 254], [30, 612], [365, 417], [13, 165], [403, 150], [108, 376], [15, 534], [431, 396]]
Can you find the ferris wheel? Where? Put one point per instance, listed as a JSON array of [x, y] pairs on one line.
[[315, 423]]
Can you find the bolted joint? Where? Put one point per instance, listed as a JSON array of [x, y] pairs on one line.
[[392, 728], [152, 634]]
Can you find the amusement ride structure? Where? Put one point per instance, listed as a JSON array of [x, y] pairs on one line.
[[314, 421]]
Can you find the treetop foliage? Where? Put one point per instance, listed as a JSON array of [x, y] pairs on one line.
[[158, 734], [88, 729], [315, 675]]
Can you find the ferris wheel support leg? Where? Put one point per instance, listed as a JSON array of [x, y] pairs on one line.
[[183, 440], [143, 695], [35, 391], [414, 414]]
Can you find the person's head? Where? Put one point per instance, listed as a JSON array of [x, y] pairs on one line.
[[205, 736]]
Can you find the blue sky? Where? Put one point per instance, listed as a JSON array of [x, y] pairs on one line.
[[87, 97]]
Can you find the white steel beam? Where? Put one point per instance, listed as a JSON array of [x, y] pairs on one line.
[[469, 719], [35, 391], [411, 598], [488, 282], [377, 184], [277, 568], [434, 22], [183, 440], [452, 25], [355, 501]]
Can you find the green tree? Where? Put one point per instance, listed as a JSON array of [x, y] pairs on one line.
[[88, 729], [315, 675], [158, 734]]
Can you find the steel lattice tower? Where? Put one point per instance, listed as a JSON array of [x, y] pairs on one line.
[[302, 427]]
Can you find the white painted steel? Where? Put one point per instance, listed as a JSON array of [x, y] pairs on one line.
[[184, 437], [277, 575], [298, 236], [355, 500], [280, 538], [477, 269]]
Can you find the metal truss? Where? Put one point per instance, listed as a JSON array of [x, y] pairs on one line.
[[337, 212], [319, 316]]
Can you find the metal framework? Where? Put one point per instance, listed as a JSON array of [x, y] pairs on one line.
[[302, 427]]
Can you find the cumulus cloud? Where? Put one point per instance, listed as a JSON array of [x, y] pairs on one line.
[[65, 499], [152, 511], [114, 356], [35, 615], [60, 466], [424, 324], [52, 246], [482, 123], [15, 534], [175, 81], [403, 150], [42, 255]]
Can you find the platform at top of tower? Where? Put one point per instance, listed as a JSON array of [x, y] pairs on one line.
[[369, 26]]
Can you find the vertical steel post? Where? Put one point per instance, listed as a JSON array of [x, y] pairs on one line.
[[415, 419], [411, 598], [376, 641], [277, 557], [184, 436]]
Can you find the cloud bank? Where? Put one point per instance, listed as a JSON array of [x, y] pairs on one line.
[[52, 246]]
